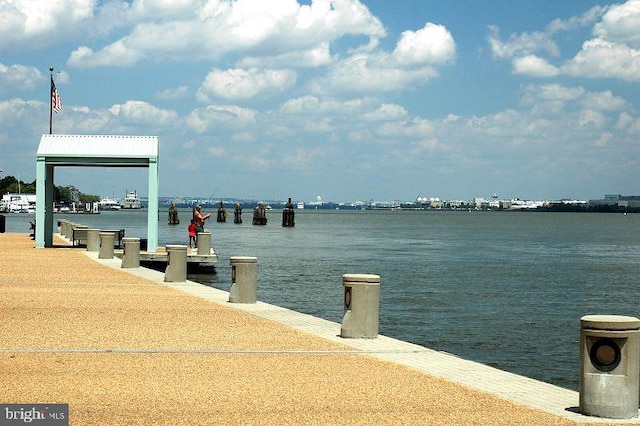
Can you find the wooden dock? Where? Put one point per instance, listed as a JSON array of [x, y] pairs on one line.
[[158, 259]]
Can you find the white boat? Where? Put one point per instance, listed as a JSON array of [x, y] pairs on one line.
[[18, 203], [300, 205], [131, 200], [109, 204]]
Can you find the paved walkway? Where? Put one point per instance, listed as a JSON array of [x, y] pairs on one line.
[[121, 346]]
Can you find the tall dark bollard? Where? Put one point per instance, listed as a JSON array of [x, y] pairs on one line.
[[288, 218], [260, 214], [222, 213], [173, 215], [237, 214], [288, 214]]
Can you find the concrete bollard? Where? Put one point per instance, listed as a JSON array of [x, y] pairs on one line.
[[71, 227], [609, 366], [131, 253], [176, 264], [93, 240], [361, 306], [106, 245], [244, 279], [76, 234], [66, 229], [204, 243]]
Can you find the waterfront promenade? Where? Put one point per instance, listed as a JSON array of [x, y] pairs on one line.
[[122, 347]]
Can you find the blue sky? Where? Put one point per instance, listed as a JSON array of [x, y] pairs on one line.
[[350, 100]]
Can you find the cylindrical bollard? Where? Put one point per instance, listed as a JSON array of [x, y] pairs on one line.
[[77, 234], [244, 279], [176, 264], [361, 306], [93, 240], [609, 366], [106, 245], [66, 229], [131, 253], [204, 242]]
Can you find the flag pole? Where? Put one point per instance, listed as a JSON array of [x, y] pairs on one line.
[[51, 102]]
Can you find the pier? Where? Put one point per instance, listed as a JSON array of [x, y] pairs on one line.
[[77, 235], [124, 347]]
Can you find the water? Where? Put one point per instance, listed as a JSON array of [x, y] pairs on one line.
[[504, 289]]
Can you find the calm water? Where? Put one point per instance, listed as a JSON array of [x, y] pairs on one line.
[[505, 289]]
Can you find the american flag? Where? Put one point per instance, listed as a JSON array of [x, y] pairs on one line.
[[56, 102]]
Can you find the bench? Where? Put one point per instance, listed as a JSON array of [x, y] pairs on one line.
[[79, 236]]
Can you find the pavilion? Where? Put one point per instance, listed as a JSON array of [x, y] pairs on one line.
[[92, 151]]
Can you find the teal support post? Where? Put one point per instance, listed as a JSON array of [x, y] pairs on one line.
[[44, 204], [152, 218], [48, 207], [41, 178]]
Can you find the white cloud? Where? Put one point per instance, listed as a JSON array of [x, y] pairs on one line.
[[414, 128], [143, 113], [116, 54], [217, 151], [19, 75], [621, 23], [587, 18], [534, 66], [613, 52], [520, 45], [604, 139], [604, 59], [16, 112], [163, 8], [235, 84], [39, 23], [212, 29], [312, 105], [604, 101], [310, 58], [432, 44], [226, 116], [386, 112], [366, 73], [173, 94], [557, 92], [592, 118], [412, 63]]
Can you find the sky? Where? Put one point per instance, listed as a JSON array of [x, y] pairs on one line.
[[346, 99]]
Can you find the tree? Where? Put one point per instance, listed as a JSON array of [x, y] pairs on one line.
[[61, 194]]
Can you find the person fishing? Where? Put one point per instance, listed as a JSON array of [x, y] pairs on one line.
[[198, 219]]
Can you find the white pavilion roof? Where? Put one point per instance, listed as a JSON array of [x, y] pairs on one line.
[[98, 146]]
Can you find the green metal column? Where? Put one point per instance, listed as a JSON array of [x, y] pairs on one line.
[[152, 218], [41, 180], [48, 207], [44, 203]]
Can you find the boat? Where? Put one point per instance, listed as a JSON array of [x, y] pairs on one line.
[[131, 200], [18, 203], [300, 205], [109, 204]]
